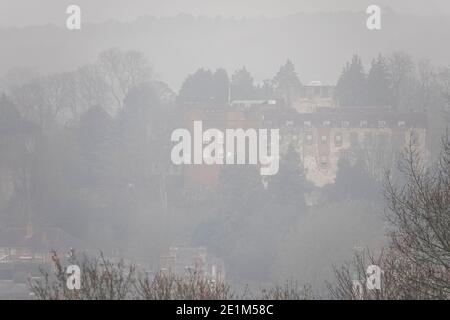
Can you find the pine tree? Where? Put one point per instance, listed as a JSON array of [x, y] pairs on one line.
[[287, 82], [221, 87], [242, 87], [378, 83], [289, 185], [205, 86], [351, 89], [197, 88]]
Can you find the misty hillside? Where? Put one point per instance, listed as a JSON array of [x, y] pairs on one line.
[[318, 44], [184, 157]]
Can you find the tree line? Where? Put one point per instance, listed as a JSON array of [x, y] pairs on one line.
[[87, 151]]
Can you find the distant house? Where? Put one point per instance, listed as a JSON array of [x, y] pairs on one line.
[[315, 95], [246, 104], [34, 244], [321, 132], [185, 260], [327, 134]]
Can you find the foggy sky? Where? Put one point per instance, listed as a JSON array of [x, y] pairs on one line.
[[19, 13]]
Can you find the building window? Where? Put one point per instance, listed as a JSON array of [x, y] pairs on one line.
[[345, 124], [354, 139], [363, 124], [381, 124], [309, 138], [307, 124], [323, 161], [324, 139], [338, 140], [326, 123], [401, 124]]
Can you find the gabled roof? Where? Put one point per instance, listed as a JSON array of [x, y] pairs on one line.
[[46, 238]]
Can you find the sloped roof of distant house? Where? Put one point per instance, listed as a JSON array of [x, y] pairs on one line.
[[46, 238], [318, 83]]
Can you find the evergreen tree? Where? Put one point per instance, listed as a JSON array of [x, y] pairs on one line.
[[205, 87], [352, 182], [221, 87], [287, 82], [289, 185], [242, 85], [351, 88], [378, 83], [197, 88]]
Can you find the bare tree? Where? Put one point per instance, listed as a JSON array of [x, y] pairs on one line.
[[351, 278], [104, 279], [291, 290], [91, 86], [45, 100], [101, 279], [123, 71], [420, 215], [192, 286], [444, 84], [416, 263]]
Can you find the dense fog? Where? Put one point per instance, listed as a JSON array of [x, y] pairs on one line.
[[87, 122]]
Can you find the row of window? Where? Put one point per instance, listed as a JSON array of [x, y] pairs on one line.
[[308, 139], [354, 139], [346, 124]]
